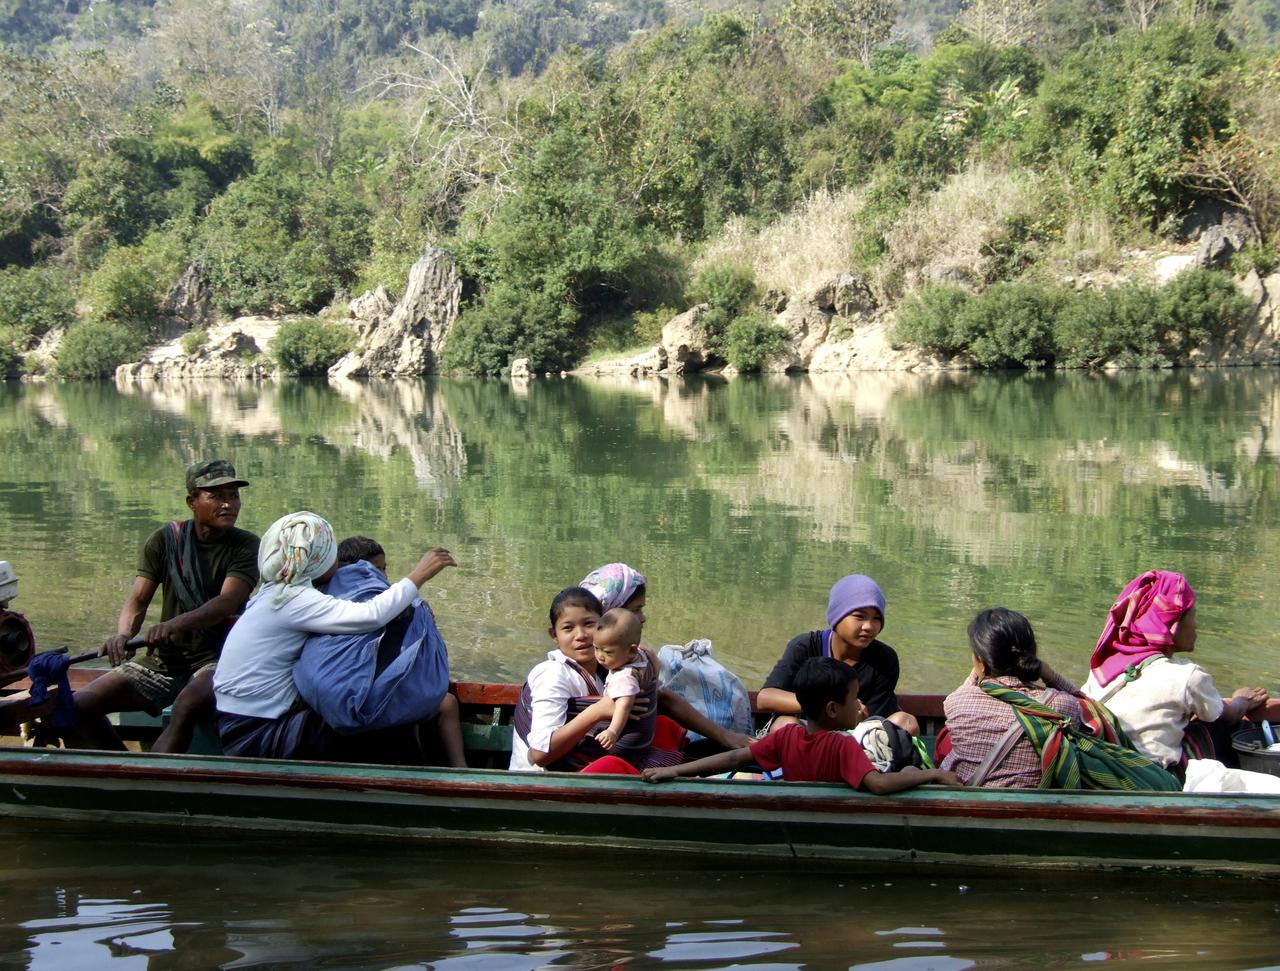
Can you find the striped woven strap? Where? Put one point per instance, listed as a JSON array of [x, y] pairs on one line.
[[1043, 726], [1071, 758]]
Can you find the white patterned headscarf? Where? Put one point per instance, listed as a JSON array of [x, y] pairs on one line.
[[614, 584], [295, 550]]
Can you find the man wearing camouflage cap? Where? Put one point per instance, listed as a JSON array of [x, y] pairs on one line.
[[208, 568]]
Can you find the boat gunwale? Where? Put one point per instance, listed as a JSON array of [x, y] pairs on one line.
[[1243, 811]]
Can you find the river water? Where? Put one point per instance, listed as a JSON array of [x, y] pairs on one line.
[[742, 502], [72, 899]]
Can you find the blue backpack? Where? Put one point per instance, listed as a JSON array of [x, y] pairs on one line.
[[354, 689]]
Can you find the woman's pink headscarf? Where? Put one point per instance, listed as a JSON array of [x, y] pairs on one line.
[[1141, 623]]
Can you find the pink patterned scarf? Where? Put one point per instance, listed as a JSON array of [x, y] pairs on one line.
[[1141, 622]]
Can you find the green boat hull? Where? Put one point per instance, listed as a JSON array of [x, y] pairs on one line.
[[984, 828]]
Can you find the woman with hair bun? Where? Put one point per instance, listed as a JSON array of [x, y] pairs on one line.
[[1004, 654]]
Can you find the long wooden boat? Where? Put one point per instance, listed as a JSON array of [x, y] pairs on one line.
[[759, 820]]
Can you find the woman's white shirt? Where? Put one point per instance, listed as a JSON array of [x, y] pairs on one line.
[[255, 673], [1155, 708], [553, 683]]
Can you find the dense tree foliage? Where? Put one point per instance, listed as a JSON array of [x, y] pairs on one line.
[[579, 157]]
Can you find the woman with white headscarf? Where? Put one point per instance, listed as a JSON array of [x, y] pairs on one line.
[[260, 714]]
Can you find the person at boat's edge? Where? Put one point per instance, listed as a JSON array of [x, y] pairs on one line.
[[260, 713], [618, 585], [818, 750], [1155, 696], [207, 567], [1004, 652], [855, 618]]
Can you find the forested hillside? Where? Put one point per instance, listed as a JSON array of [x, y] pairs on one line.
[[595, 167]]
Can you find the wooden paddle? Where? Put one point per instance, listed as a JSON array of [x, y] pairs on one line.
[[21, 673]]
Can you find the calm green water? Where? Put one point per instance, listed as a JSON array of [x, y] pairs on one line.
[[742, 501], [71, 900]]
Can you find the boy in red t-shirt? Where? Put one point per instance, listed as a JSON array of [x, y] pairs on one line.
[[828, 694]]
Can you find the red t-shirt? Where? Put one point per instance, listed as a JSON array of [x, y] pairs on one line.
[[819, 757]]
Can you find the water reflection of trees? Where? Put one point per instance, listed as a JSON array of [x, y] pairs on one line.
[[741, 499]]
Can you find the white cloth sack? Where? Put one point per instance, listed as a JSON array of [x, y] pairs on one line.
[[1210, 775], [698, 678]]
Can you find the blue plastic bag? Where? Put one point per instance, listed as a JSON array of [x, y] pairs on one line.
[[698, 678], [337, 674]]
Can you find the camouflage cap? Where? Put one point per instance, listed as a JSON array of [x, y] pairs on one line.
[[210, 474]]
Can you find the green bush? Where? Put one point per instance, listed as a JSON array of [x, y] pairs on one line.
[[1028, 324], [1199, 305], [310, 346], [752, 339], [332, 242], [194, 340], [563, 249], [1012, 324], [10, 359], [1110, 326], [512, 323], [246, 239], [34, 300], [1122, 113], [928, 319], [730, 289], [131, 281], [124, 289], [122, 194], [726, 286], [95, 348], [276, 242]]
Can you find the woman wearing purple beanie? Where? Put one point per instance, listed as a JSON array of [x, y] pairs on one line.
[[855, 613]]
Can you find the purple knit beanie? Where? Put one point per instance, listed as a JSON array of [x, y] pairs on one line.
[[853, 593]]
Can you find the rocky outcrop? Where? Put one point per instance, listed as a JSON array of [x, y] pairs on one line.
[[1221, 230], [1257, 339], [235, 350], [685, 342], [407, 340], [188, 304], [41, 358], [647, 362]]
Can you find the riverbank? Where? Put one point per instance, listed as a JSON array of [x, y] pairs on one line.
[[829, 330]]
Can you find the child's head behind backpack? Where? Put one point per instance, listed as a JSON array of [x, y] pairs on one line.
[[353, 549], [828, 693]]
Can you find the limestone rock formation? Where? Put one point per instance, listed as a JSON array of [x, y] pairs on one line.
[[369, 310], [234, 350], [409, 340], [848, 295], [1225, 230], [1257, 339], [685, 341], [188, 304], [647, 362]]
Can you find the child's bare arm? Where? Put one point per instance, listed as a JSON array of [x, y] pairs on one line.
[[778, 701], [711, 765], [621, 710], [884, 783]]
